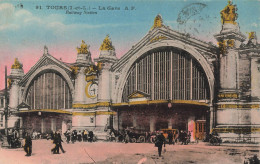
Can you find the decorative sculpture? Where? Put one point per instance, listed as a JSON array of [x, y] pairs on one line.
[[83, 48], [17, 64], [107, 44], [228, 14]]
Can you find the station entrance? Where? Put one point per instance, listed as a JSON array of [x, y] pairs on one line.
[[154, 117]]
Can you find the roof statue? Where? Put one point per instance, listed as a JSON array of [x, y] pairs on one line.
[[45, 51], [17, 64], [107, 44], [83, 48], [158, 22], [228, 14], [252, 39], [251, 35]]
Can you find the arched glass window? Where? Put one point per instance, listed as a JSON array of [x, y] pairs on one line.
[[167, 73], [49, 91]]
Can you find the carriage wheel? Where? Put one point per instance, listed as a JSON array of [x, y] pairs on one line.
[[133, 140], [141, 139]]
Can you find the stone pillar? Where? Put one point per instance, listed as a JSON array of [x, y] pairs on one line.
[[134, 121], [228, 70], [152, 123], [212, 118], [53, 124], [14, 94], [104, 83], [120, 116], [21, 123], [63, 127], [80, 84], [15, 76], [170, 123], [107, 58], [191, 127], [42, 125]]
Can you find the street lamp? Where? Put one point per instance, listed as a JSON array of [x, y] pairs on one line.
[[169, 104]]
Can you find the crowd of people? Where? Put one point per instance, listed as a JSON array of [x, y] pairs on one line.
[[124, 135], [73, 136], [13, 138]]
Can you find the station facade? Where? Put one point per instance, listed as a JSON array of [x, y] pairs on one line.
[[167, 80]]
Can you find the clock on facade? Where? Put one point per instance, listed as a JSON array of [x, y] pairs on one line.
[[91, 90]]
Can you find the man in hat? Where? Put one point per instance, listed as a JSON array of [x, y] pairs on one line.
[[159, 141], [28, 145]]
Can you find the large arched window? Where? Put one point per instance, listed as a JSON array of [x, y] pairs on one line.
[[167, 73], [49, 91]]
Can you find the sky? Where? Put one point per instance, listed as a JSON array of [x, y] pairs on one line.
[[27, 26]]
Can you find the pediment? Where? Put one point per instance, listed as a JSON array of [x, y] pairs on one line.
[[138, 94], [45, 60], [24, 106]]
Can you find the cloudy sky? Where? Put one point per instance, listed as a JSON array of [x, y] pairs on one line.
[[26, 26]]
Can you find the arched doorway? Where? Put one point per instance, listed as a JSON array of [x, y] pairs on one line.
[[166, 75], [48, 95]]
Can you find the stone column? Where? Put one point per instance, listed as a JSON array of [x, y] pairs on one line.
[[63, 127], [80, 84], [120, 116], [212, 118], [134, 121], [104, 82], [42, 125], [152, 123], [15, 76], [191, 127], [53, 124], [170, 123], [14, 94]]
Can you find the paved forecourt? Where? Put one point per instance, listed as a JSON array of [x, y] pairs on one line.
[[111, 152]]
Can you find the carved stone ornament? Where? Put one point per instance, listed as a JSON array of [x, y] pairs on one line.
[[17, 64], [83, 48], [228, 14], [107, 44]]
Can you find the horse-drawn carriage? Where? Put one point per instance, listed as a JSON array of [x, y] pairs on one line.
[[136, 135]]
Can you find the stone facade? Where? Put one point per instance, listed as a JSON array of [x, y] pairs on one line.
[[217, 87]]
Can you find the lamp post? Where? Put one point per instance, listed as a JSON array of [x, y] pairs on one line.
[[169, 104], [5, 142], [6, 103], [111, 115]]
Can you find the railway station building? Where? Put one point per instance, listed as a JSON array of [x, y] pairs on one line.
[[166, 80]]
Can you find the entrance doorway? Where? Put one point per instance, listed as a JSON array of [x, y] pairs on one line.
[[200, 129]]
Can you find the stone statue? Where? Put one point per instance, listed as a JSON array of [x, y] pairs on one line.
[[228, 14], [107, 44], [83, 48], [17, 64]]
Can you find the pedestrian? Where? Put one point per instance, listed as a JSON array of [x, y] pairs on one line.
[[91, 135], [67, 134], [74, 136], [185, 138], [127, 138], [28, 145], [159, 141], [170, 137], [9, 136], [79, 136], [55, 149], [85, 136], [181, 137], [59, 143]]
